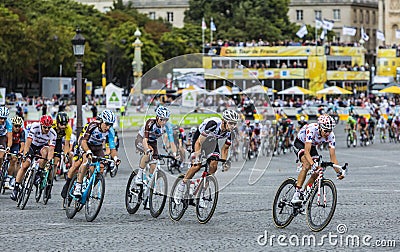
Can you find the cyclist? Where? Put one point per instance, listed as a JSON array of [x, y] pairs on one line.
[[214, 128], [255, 136], [310, 136], [5, 132], [64, 131], [351, 125], [189, 139], [396, 125], [301, 122], [146, 141], [362, 126], [17, 147], [371, 127], [41, 141], [390, 126], [382, 126], [91, 143]]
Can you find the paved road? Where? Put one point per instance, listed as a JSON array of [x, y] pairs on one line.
[[367, 205]]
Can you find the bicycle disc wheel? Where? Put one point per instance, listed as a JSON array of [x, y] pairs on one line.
[[158, 193], [133, 194], [95, 198], [72, 205], [176, 211], [206, 199], [282, 209], [27, 185], [319, 214]]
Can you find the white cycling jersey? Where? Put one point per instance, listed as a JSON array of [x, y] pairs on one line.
[[309, 133], [211, 127], [40, 139]]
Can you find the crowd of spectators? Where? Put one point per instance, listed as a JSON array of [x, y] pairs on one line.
[[261, 42]]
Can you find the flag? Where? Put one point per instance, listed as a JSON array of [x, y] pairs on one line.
[[203, 24], [398, 34], [212, 25], [303, 31], [328, 24], [364, 36], [323, 33], [380, 35], [348, 30], [318, 23]]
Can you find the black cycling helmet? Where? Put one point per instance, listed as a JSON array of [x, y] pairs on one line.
[[62, 118]]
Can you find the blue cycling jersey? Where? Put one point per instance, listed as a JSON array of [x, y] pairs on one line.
[[170, 132], [6, 127]]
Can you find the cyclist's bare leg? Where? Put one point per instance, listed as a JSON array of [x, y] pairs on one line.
[[74, 169], [82, 169], [13, 169], [213, 167], [190, 173], [303, 173], [43, 153], [21, 172]]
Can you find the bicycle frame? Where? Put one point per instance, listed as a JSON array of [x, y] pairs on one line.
[[88, 184]]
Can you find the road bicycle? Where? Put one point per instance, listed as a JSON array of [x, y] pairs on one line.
[[62, 166], [152, 192], [4, 170], [201, 193], [46, 183], [319, 200], [110, 167], [26, 187], [246, 148], [363, 138], [350, 139], [93, 190], [382, 136]]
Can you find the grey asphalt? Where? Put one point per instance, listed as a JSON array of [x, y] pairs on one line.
[[367, 207]]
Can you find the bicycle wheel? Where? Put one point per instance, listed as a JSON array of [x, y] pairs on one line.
[[282, 209], [320, 211], [133, 194], [95, 197], [39, 190], [348, 141], [176, 211], [158, 193], [245, 151], [27, 185], [72, 205], [113, 172], [206, 199], [47, 192]]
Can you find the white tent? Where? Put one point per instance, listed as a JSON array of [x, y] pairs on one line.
[[223, 90], [113, 96]]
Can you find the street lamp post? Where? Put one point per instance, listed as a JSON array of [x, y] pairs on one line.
[[78, 44]]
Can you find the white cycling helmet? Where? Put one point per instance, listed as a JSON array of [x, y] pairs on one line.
[[193, 129], [163, 112], [107, 116], [4, 112], [230, 115], [326, 122], [16, 120]]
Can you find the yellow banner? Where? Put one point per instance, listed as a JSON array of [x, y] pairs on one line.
[[317, 72], [89, 85], [386, 53], [347, 51], [247, 74], [347, 75], [231, 51]]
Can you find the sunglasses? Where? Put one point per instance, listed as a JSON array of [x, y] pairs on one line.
[[46, 127], [164, 119], [232, 124], [17, 126], [63, 124], [327, 131], [109, 124], [3, 118]]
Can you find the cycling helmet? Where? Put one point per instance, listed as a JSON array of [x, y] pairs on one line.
[[193, 129], [181, 130], [16, 120], [302, 118], [46, 120], [326, 122], [4, 112], [256, 121], [163, 112], [230, 116], [107, 116], [62, 118], [247, 122]]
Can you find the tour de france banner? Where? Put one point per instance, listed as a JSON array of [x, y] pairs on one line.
[[386, 53], [113, 96], [347, 51], [248, 74], [2, 96], [348, 75], [231, 51]]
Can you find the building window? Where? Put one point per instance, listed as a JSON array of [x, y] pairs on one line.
[[318, 14], [373, 17], [367, 17], [336, 14], [170, 17], [361, 17], [152, 15], [299, 15], [355, 16]]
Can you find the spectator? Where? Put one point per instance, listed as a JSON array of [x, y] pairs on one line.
[[44, 109], [94, 110]]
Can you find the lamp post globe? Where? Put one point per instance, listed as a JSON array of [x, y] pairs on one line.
[[78, 44]]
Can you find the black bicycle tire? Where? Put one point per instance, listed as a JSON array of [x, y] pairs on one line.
[[288, 181], [71, 211], [215, 201], [129, 209], [172, 201], [312, 226], [155, 214], [27, 191], [98, 179]]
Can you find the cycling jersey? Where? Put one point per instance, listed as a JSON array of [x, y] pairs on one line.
[[310, 134], [351, 121], [67, 132], [381, 122], [170, 132], [95, 137], [18, 137], [6, 127], [396, 121], [40, 139], [211, 127], [151, 131]]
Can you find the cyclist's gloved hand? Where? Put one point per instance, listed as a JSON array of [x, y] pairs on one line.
[[176, 156], [117, 160], [7, 149], [195, 157], [89, 154], [314, 167]]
